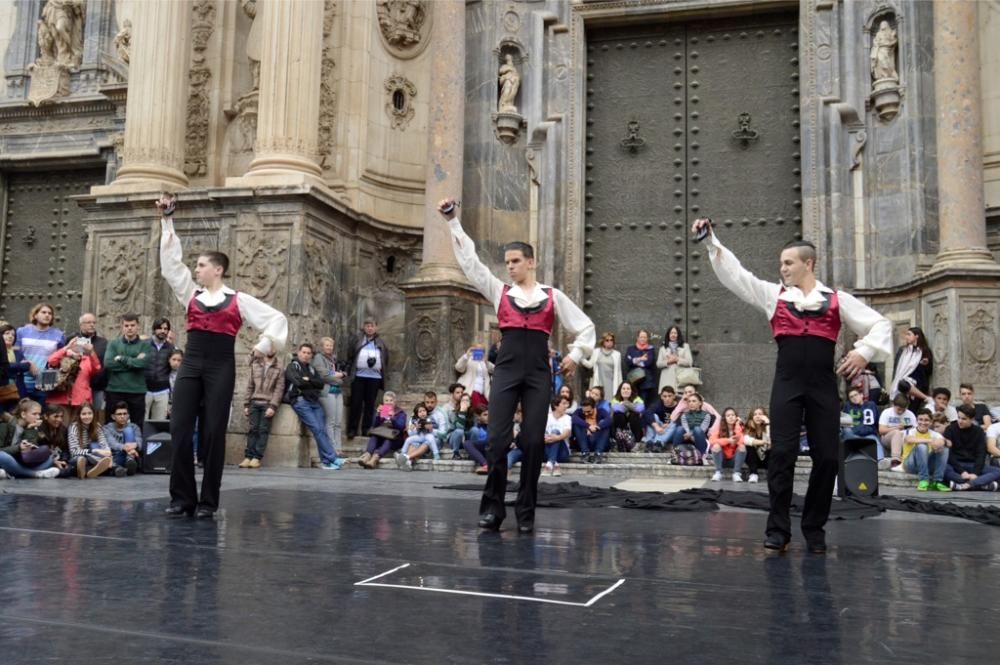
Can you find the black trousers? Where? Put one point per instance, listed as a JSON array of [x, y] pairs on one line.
[[521, 376], [804, 391], [136, 405], [203, 392], [363, 405]]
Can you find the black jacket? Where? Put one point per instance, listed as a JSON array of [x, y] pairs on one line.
[[302, 381], [357, 345], [98, 381], [158, 368], [657, 409], [968, 446]]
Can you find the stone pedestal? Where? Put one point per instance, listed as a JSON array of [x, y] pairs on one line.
[[440, 326], [158, 91]]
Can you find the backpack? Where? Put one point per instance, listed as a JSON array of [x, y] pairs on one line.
[[69, 368]]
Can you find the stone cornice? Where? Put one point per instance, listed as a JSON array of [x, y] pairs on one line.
[[933, 281], [85, 106]]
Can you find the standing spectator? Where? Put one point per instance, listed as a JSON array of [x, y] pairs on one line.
[[388, 417], [125, 440], [325, 362], [77, 363], [656, 418], [925, 453], [728, 445], [674, 353], [17, 369], [626, 418], [942, 404], [264, 391], [176, 358], [99, 380], [913, 367], [304, 388], [494, 351], [757, 438], [967, 469], [592, 430], [23, 450], [37, 341], [369, 362], [126, 360], [893, 426], [968, 396], [89, 450], [605, 364], [158, 371], [640, 356], [475, 371]]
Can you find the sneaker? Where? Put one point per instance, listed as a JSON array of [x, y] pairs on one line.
[[363, 460], [400, 461], [330, 466], [103, 465], [884, 464], [254, 463], [81, 467], [482, 470], [600, 458], [737, 477], [895, 464], [938, 486], [753, 478], [992, 487], [590, 458], [923, 485], [556, 471], [898, 468], [245, 464], [717, 476], [4, 476], [131, 466], [119, 472], [52, 472], [409, 464], [547, 471]]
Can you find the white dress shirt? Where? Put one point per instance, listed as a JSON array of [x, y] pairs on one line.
[[570, 316], [271, 323], [873, 329]]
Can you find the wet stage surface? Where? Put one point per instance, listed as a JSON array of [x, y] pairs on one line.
[[296, 576]]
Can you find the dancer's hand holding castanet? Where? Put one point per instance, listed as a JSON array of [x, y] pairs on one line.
[[852, 365], [448, 208], [701, 228], [567, 367], [167, 204]]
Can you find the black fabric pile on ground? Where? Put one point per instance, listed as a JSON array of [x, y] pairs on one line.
[[575, 495]]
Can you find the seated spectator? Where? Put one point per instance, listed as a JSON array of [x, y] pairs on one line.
[[125, 440], [450, 409], [757, 439], [674, 353], [968, 396], [476, 372], [641, 356], [626, 414], [682, 405], [695, 424], [54, 431], [557, 433], [24, 452], [597, 394], [605, 364], [475, 442], [864, 419], [567, 391], [303, 387], [942, 404], [656, 418], [867, 382], [925, 454], [939, 423], [420, 439], [389, 418], [728, 444], [438, 417], [459, 426], [77, 363], [992, 447], [265, 388], [17, 368], [967, 469], [592, 430], [89, 450], [893, 425]]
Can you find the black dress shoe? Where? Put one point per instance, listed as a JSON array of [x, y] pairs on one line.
[[177, 511], [816, 547], [489, 521], [776, 543], [205, 513], [525, 527]]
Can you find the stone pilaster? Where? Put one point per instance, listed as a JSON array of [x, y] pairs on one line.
[[962, 238], [288, 112], [158, 92]]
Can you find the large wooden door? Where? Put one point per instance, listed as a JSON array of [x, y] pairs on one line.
[[687, 120]]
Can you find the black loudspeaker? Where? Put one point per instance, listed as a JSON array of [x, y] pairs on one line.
[[858, 472], [157, 451]]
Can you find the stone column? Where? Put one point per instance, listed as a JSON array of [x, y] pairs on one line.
[[446, 139], [961, 221], [157, 95], [288, 112]]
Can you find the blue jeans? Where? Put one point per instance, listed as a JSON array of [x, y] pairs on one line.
[[557, 452], [927, 465], [698, 438], [312, 416], [455, 439], [720, 459], [17, 470], [415, 440], [989, 474], [476, 447], [663, 438], [592, 443]]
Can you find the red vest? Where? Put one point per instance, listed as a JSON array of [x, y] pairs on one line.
[[540, 317], [223, 318], [790, 322]]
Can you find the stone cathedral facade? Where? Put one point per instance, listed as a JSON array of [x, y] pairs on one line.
[[308, 139]]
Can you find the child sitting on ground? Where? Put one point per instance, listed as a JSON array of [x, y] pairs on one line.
[[420, 440]]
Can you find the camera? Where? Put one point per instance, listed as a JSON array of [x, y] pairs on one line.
[[371, 361]]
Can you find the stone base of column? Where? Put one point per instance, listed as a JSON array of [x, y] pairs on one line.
[[276, 178], [154, 186], [440, 326], [287, 446], [978, 258]]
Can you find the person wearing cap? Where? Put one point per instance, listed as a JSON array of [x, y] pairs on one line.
[[806, 317], [526, 312]]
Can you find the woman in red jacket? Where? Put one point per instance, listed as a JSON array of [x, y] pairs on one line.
[[727, 444], [79, 393]]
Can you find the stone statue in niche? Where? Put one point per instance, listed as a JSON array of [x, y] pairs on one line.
[[401, 21], [123, 41], [46, 45], [60, 50], [885, 95], [253, 42], [64, 19], [510, 82]]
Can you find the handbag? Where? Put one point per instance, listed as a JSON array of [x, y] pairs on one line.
[[686, 375], [384, 432], [8, 392]]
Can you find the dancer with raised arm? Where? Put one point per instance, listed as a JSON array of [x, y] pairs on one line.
[[203, 390], [526, 312], [805, 318]]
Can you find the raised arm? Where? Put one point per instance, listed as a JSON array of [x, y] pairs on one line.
[[474, 269], [743, 283], [172, 266]]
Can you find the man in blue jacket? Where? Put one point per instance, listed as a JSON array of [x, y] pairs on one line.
[[592, 429], [864, 419]]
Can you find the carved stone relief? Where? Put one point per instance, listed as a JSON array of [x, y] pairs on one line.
[[981, 343], [122, 266], [404, 26], [196, 138], [327, 93], [318, 271], [123, 41], [261, 260], [425, 344], [400, 92]]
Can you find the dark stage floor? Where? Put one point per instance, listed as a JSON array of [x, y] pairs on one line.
[[275, 580]]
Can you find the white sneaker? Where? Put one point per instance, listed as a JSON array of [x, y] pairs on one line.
[[737, 477], [717, 476], [548, 469], [4, 476], [52, 472], [898, 469], [753, 478]]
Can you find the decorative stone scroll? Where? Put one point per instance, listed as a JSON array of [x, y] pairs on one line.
[[405, 26], [327, 93], [399, 104], [196, 137]]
